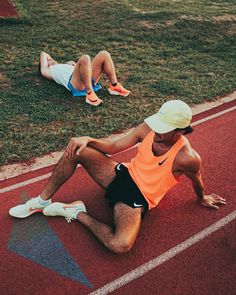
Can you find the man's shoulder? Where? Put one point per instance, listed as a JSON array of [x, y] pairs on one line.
[[143, 130], [188, 158], [138, 134]]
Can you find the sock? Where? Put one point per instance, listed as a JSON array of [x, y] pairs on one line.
[[114, 84], [43, 202]]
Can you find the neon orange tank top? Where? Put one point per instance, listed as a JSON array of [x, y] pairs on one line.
[[153, 175]]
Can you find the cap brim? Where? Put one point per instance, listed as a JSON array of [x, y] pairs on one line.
[[158, 125]]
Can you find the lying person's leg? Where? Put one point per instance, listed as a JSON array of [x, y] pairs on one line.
[[81, 81], [103, 63]]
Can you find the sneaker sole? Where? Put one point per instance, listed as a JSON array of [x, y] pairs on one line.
[[95, 104], [112, 92], [72, 204], [30, 213]]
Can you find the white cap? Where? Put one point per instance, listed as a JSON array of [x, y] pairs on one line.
[[173, 114]]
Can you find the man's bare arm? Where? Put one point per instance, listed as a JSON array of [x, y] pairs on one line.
[[76, 145], [191, 168], [44, 65]]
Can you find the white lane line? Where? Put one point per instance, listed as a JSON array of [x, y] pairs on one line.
[[24, 183], [146, 267], [213, 116], [33, 180]]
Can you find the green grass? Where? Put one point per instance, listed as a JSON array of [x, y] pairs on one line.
[[162, 50]]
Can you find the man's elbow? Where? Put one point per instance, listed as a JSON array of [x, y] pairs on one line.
[[45, 72], [43, 54], [42, 72]]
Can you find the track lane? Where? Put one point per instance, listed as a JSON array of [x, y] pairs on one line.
[[177, 218]]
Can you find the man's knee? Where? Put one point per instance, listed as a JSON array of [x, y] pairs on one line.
[[70, 160], [83, 157], [120, 246], [105, 54], [84, 60]]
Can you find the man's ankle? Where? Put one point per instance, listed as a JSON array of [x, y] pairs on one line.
[[80, 215], [43, 201]]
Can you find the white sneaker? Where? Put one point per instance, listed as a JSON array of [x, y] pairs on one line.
[[69, 211], [30, 207]]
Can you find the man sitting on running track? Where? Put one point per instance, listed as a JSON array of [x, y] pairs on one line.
[[164, 154], [81, 78]]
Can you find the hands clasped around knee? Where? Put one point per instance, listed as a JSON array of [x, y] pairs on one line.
[[76, 145]]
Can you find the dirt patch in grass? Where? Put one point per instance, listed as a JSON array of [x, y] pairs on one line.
[[232, 30], [4, 81], [148, 24], [198, 18], [225, 18], [170, 23]]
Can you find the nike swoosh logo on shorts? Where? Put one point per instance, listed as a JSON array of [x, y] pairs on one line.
[[137, 205], [118, 167]]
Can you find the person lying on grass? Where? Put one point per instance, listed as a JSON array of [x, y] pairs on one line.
[[81, 77], [164, 154]]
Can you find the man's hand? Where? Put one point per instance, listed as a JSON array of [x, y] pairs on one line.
[[212, 201], [76, 145]]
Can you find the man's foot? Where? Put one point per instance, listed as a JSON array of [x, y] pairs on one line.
[[30, 207], [91, 98], [69, 211], [118, 90]]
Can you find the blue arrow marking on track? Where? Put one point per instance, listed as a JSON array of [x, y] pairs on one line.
[[34, 239]]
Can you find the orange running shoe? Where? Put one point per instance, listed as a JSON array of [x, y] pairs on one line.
[[118, 90], [92, 99]]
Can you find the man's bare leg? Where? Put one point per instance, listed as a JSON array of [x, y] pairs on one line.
[[85, 71], [127, 224], [101, 168], [82, 74], [97, 164], [102, 63]]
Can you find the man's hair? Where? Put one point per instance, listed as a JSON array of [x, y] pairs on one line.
[[39, 69], [187, 130]]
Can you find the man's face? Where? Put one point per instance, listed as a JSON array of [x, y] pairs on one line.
[[168, 138]]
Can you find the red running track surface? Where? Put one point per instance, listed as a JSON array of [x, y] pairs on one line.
[[206, 267], [7, 9]]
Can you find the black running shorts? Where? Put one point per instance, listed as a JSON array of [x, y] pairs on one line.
[[123, 189]]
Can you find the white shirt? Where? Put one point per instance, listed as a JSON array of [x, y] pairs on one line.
[[61, 73]]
